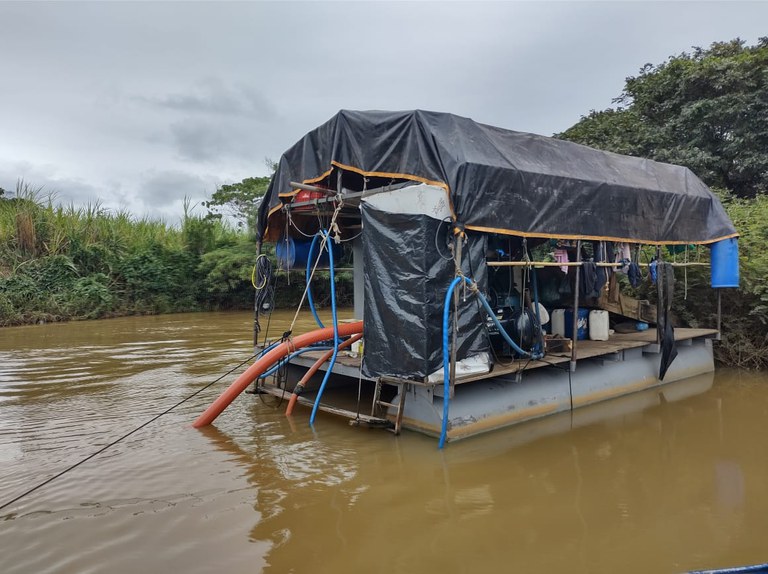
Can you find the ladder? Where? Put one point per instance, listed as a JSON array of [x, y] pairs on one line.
[[399, 407]]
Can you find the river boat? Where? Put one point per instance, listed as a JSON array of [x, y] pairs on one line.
[[490, 271]]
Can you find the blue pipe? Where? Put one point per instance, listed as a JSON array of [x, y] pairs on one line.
[[446, 372], [274, 368], [269, 348], [309, 278], [536, 354], [335, 333]]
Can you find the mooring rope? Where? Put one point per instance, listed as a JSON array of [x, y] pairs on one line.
[[125, 436]]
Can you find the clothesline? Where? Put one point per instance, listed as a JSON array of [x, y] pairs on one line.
[[580, 264]]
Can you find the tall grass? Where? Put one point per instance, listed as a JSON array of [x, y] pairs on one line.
[[67, 262]]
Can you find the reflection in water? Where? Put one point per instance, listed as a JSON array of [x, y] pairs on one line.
[[660, 481]]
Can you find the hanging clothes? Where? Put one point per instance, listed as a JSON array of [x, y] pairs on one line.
[[600, 256], [588, 280], [665, 287], [561, 256], [623, 256], [634, 275], [652, 270]]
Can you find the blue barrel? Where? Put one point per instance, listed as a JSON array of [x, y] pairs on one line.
[[582, 324], [725, 263], [292, 253]]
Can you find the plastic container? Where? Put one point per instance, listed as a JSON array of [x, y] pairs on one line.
[[725, 263], [582, 324], [598, 325], [306, 195], [557, 322], [292, 253]]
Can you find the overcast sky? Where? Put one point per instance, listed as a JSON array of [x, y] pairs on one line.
[[140, 104]]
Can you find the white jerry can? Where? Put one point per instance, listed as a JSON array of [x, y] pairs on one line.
[[557, 325], [598, 325]]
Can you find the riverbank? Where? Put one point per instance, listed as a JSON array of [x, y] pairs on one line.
[[64, 263]]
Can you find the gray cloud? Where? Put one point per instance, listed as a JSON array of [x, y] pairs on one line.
[[136, 103], [165, 187], [200, 140], [212, 97], [43, 180]]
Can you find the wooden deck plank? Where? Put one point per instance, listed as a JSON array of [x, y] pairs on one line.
[[584, 350]]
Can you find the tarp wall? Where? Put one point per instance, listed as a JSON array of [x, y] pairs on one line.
[[406, 279]]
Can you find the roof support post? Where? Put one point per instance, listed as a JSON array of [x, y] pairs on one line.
[[575, 321], [455, 328], [659, 292]]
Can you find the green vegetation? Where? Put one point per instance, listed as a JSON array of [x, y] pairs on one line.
[[239, 200], [61, 263], [707, 110]]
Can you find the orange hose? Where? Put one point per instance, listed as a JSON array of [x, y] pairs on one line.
[[266, 361], [313, 369]]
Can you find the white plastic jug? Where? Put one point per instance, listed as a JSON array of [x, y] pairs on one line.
[[557, 325], [598, 325]]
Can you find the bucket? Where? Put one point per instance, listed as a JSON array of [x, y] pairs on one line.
[[557, 326], [582, 324], [598, 325], [725, 263], [292, 253]]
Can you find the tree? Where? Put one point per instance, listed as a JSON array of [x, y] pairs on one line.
[[707, 110], [238, 200]]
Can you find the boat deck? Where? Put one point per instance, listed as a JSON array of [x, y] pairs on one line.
[[618, 342]]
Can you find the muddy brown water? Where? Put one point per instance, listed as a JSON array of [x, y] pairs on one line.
[[649, 483]]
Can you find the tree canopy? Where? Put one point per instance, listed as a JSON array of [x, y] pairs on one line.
[[707, 110], [238, 200]]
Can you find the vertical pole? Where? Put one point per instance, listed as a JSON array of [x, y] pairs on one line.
[[256, 325], [719, 313], [659, 294], [454, 335], [575, 325]]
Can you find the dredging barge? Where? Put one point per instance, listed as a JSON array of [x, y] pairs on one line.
[[465, 323]]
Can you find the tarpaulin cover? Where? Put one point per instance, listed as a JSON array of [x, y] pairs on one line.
[[405, 284], [510, 182]]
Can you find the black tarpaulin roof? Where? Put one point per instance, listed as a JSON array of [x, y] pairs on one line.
[[509, 182]]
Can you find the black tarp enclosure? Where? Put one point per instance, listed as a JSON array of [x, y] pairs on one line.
[[495, 181]]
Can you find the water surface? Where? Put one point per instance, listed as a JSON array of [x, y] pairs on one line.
[[650, 483]]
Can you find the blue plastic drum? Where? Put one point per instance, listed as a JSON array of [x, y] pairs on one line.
[[725, 263], [292, 253], [582, 324]]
